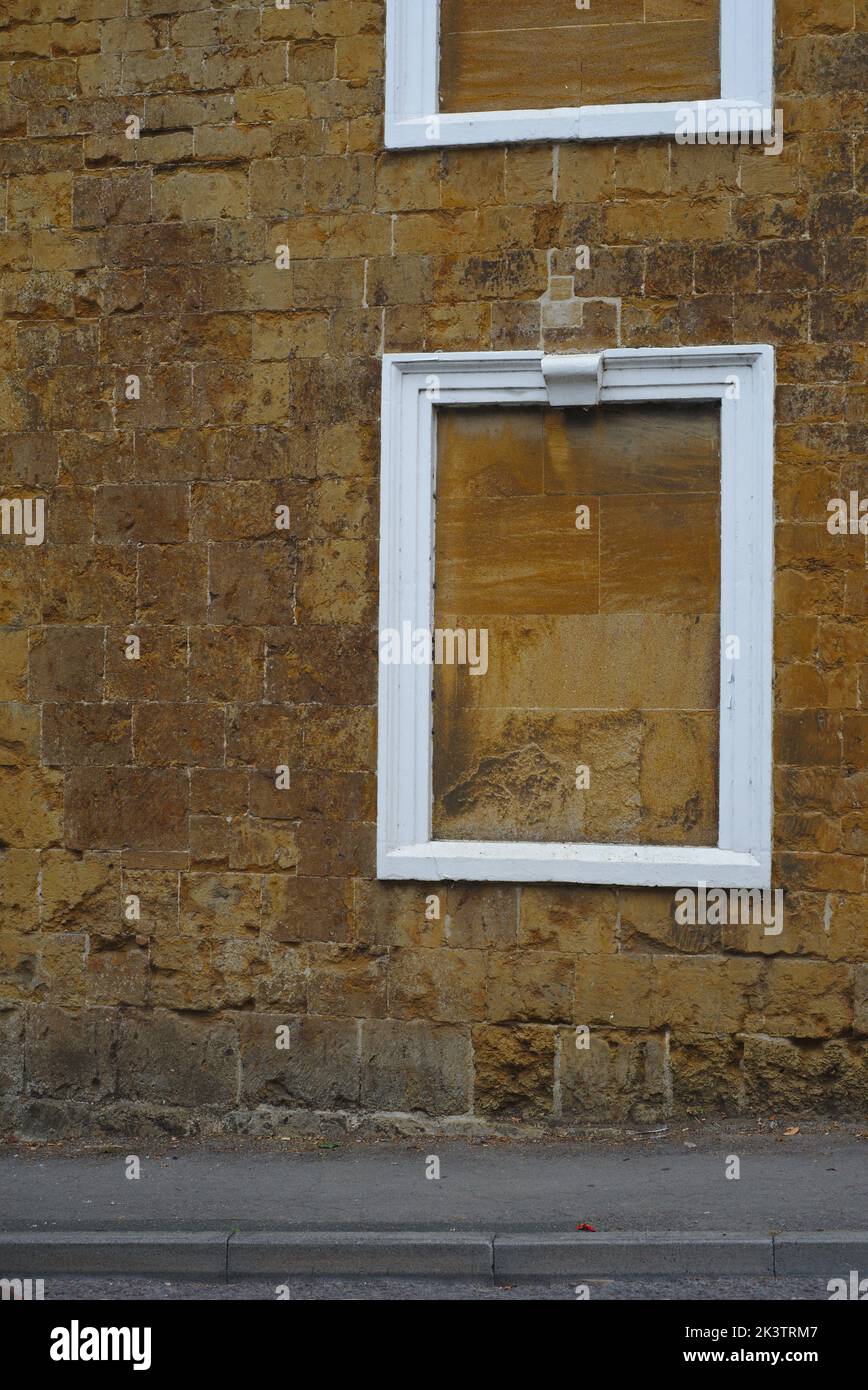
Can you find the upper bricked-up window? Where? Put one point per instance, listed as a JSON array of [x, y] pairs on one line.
[[575, 617], [519, 54], [481, 71]]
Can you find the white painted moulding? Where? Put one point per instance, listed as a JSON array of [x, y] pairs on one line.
[[574, 378], [414, 120], [741, 379]]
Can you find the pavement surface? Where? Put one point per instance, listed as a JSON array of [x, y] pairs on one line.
[[784, 1208], [811, 1181]]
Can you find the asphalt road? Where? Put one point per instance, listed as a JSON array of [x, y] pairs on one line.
[[415, 1290]]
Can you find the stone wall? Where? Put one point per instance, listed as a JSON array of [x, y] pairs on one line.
[[152, 779]]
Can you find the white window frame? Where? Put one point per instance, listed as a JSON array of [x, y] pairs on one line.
[[414, 120], [742, 379]]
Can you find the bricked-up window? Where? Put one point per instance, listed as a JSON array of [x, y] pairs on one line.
[[470, 72], [586, 544], [576, 617], [524, 54]]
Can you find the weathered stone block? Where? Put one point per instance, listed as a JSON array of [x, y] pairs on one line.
[[173, 584], [334, 796], [135, 808], [320, 664], [335, 582], [620, 1077], [448, 986], [340, 740], [860, 1010], [251, 583], [19, 889], [216, 905], [19, 966], [62, 968], [182, 975], [157, 893], [66, 663], [335, 849], [789, 1078], [264, 736], [11, 1052], [537, 988], [284, 983], [19, 734], [80, 891], [71, 1055], [209, 841], [13, 664], [415, 1066], [348, 981], [394, 914], [178, 735], [86, 735], [706, 1075], [320, 1067], [306, 909], [171, 1058], [513, 1072], [805, 999], [214, 791], [617, 990], [578, 921], [158, 672], [117, 977], [31, 807], [262, 844], [133, 513]]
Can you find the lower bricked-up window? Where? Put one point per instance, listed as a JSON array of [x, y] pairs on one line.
[[575, 677]]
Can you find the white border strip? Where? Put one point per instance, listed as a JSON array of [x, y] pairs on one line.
[[414, 120], [742, 379]]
